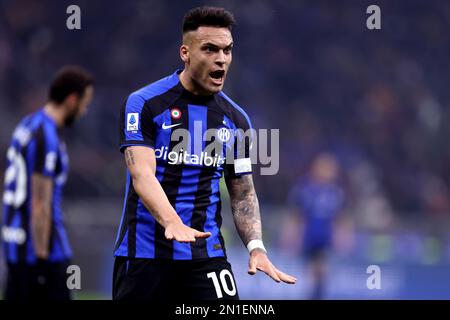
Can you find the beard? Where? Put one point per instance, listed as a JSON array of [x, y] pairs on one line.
[[70, 118]]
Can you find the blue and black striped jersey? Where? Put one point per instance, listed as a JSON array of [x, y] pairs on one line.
[[35, 148], [189, 175]]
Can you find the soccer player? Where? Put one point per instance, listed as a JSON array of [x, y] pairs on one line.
[[169, 244], [320, 200], [35, 241]]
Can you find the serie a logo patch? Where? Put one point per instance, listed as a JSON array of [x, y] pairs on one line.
[[132, 121]]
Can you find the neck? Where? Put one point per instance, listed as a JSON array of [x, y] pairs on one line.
[[56, 113], [189, 84]]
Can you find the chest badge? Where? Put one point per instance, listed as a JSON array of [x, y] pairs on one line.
[[224, 134], [175, 113]]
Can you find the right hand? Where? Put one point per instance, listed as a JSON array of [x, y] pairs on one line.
[[41, 254], [180, 232]]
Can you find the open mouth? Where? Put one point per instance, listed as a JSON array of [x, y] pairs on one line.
[[217, 75]]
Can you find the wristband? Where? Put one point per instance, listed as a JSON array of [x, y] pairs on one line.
[[253, 244]]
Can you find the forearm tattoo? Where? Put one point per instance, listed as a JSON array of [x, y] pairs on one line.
[[245, 208], [129, 156]]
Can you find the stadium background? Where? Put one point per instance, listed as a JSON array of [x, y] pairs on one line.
[[378, 100]]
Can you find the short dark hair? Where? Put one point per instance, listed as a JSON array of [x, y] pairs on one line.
[[68, 80], [207, 16]]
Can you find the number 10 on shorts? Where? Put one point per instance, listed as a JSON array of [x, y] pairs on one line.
[[223, 283]]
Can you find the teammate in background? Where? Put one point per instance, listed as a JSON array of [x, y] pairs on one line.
[[319, 200], [35, 241], [169, 245]]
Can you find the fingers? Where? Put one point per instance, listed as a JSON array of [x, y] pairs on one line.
[[186, 235], [268, 268], [203, 235], [270, 271], [252, 267], [192, 235], [286, 278], [179, 236], [169, 235]]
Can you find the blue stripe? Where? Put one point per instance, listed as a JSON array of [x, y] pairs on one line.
[[123, 249], [145, 232], [162, 140], [56, 253], [36, 120], [197, 128], [210, 224], [47, 118], [162, 136], [66, 250], [127, 189], [184, 207]]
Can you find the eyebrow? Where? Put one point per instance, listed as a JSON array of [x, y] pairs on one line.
[[209, 44]]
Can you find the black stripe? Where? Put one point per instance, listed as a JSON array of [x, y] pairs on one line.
[[41, 148], [25, 216], [52, 239], [218, 219], [124, 225], [170, 183], [54, 236], [131, 214], [203, 194], [9, 212]]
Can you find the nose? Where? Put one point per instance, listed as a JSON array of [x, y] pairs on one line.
[[221, 58]]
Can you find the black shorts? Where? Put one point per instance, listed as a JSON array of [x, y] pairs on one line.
[[173, 280], [42, 281]]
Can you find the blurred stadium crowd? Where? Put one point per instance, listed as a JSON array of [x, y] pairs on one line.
[[378, 100]]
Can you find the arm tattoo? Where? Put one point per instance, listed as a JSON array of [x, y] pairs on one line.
[[245, 208], [129, 156]]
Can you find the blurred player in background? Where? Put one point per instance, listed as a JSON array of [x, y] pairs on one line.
[[169, 244], [35, 241], [320, 200]]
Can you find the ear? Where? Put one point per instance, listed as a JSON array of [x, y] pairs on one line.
[[184, 53], [71, 100]]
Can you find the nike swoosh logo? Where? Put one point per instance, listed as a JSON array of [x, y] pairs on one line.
[[164, 126]]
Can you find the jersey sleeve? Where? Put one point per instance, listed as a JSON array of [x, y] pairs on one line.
[[239, 162], [45, 151], [136, 123]]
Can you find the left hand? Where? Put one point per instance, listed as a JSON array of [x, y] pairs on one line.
[[260, 261]]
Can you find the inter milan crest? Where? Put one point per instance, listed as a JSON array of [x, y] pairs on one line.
[[224, 134]]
